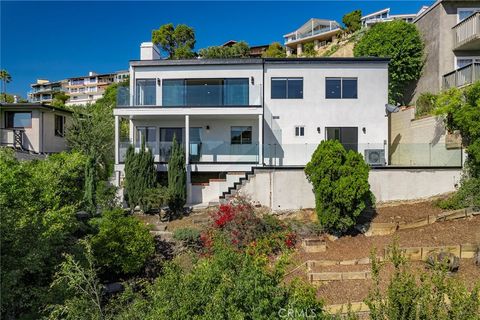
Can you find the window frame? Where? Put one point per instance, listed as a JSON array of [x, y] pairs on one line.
[[465, 9], [287, 79], [341, 88], [59, 133], [137, 101], [299, 131], [249, 129], [7, 118]]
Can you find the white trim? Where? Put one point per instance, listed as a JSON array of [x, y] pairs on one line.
[[136, 111]]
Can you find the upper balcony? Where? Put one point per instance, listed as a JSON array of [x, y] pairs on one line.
[[314, 29], [191, 93], [467, 33], [462, 77]]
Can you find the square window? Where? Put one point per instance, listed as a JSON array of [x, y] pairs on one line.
[[299, 131], [333, 88], [241, 135]]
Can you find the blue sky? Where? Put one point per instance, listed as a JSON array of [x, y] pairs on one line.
[[57, 40]]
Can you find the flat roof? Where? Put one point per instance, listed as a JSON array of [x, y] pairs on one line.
[[244, 61], [22, 106]]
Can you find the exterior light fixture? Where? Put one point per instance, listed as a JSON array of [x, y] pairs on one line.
[[318, 129], [159, 82], [364, 130], [207, 127], [252, 80]]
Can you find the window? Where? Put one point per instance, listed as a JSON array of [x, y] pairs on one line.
[[347, 136], [146, 92], [341, 88], [241, 135], [464, 61], [173, 93], [299, 131], [287, 88], [59, 125], [147, 135], [464, 13], [18, 119]]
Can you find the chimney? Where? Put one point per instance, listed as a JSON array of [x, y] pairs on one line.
[[15, 99], [91, 73], [149, 51]]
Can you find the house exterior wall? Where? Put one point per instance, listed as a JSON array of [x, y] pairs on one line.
[[435, 27], [51, 142], [315, 111]]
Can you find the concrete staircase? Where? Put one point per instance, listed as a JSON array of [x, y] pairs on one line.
[[210, 193], [233, 188]]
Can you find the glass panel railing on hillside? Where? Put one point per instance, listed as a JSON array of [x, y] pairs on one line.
[[222, 151]]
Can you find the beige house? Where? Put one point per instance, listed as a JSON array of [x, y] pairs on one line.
[[451, 32], [34, 127]]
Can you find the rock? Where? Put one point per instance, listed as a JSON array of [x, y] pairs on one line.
[[331, 237], [362, 228], [113, 287]]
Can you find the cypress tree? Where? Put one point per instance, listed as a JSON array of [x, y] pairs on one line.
[[90, 185], [177, 178], [140, 174]]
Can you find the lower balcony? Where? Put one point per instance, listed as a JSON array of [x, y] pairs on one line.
[[462, 77]]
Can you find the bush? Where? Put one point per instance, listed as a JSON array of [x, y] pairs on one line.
[[227, 285], [468, 195], [340, 184], [274, 50], [425, 104], [123, 244], [189, 237], [177, 178], [155, 198], [401, 42], [352, 21]]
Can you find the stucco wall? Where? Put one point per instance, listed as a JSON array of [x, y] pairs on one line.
[[420, 142], [286, 189]]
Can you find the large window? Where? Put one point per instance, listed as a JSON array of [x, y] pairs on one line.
[[146, 92], [341, 88], [347, 136], [241, 135], [147, 135], [287, 88], [59, 125], [16, 119], [464, 13], [205, 92]]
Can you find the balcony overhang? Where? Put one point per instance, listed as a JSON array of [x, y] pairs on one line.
[[183, 111], [467, 33], [472, 43], [321, 36]]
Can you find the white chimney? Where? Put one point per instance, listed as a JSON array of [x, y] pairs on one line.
[[149, 51], [91, 73], [15, 99]]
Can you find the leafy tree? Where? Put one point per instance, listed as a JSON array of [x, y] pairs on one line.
[[228, 285], [177, 178], [401, 42], [352, 21], [274, 50], [238, 50], [340, 184], [59, 99], [140, 174], [123, 244], [90, 186], [38, 200], [309, 50], [178, 42], [5, 77], [84, 291]]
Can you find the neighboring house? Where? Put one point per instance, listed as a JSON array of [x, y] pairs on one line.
[[384, 16], [237, 114], [319, 31], [43, 91], [451, 32], [88, 89], [255, 51], [121, 76], [34, 127]]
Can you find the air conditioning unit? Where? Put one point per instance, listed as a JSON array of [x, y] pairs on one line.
[[375, 157]]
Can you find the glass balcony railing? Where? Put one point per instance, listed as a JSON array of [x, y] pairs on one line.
[[215, 96]]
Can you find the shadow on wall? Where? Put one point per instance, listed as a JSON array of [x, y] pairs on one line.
[[395, 144]]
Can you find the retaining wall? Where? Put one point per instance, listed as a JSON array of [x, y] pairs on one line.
[[289, 189]]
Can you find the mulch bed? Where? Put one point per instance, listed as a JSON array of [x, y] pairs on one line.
[[406, 212]]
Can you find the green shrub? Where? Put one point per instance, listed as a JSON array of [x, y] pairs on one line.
[[352, 21], [122, 244], [468, 195], [309, 50], [401, 42], [106, 196], [425, 104], [155, 198], [340, 184], [177, 178], [189, 237], [334, 48]]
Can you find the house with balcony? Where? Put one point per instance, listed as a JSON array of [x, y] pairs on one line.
[[319, 31], [35, 128], [451, 33], [235, 115], [43, 91], [385, 16], [88, 89]]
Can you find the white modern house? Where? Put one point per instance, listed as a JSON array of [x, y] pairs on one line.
[[385, 16], [234, 115]]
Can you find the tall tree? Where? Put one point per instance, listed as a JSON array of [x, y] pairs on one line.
[[352, 21], [6, 78], [401, 42], [274, 50], [178, 42], [238, 50], [90, 185], [177, 178]]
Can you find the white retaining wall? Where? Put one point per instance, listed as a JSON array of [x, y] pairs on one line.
[[287, 189]]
